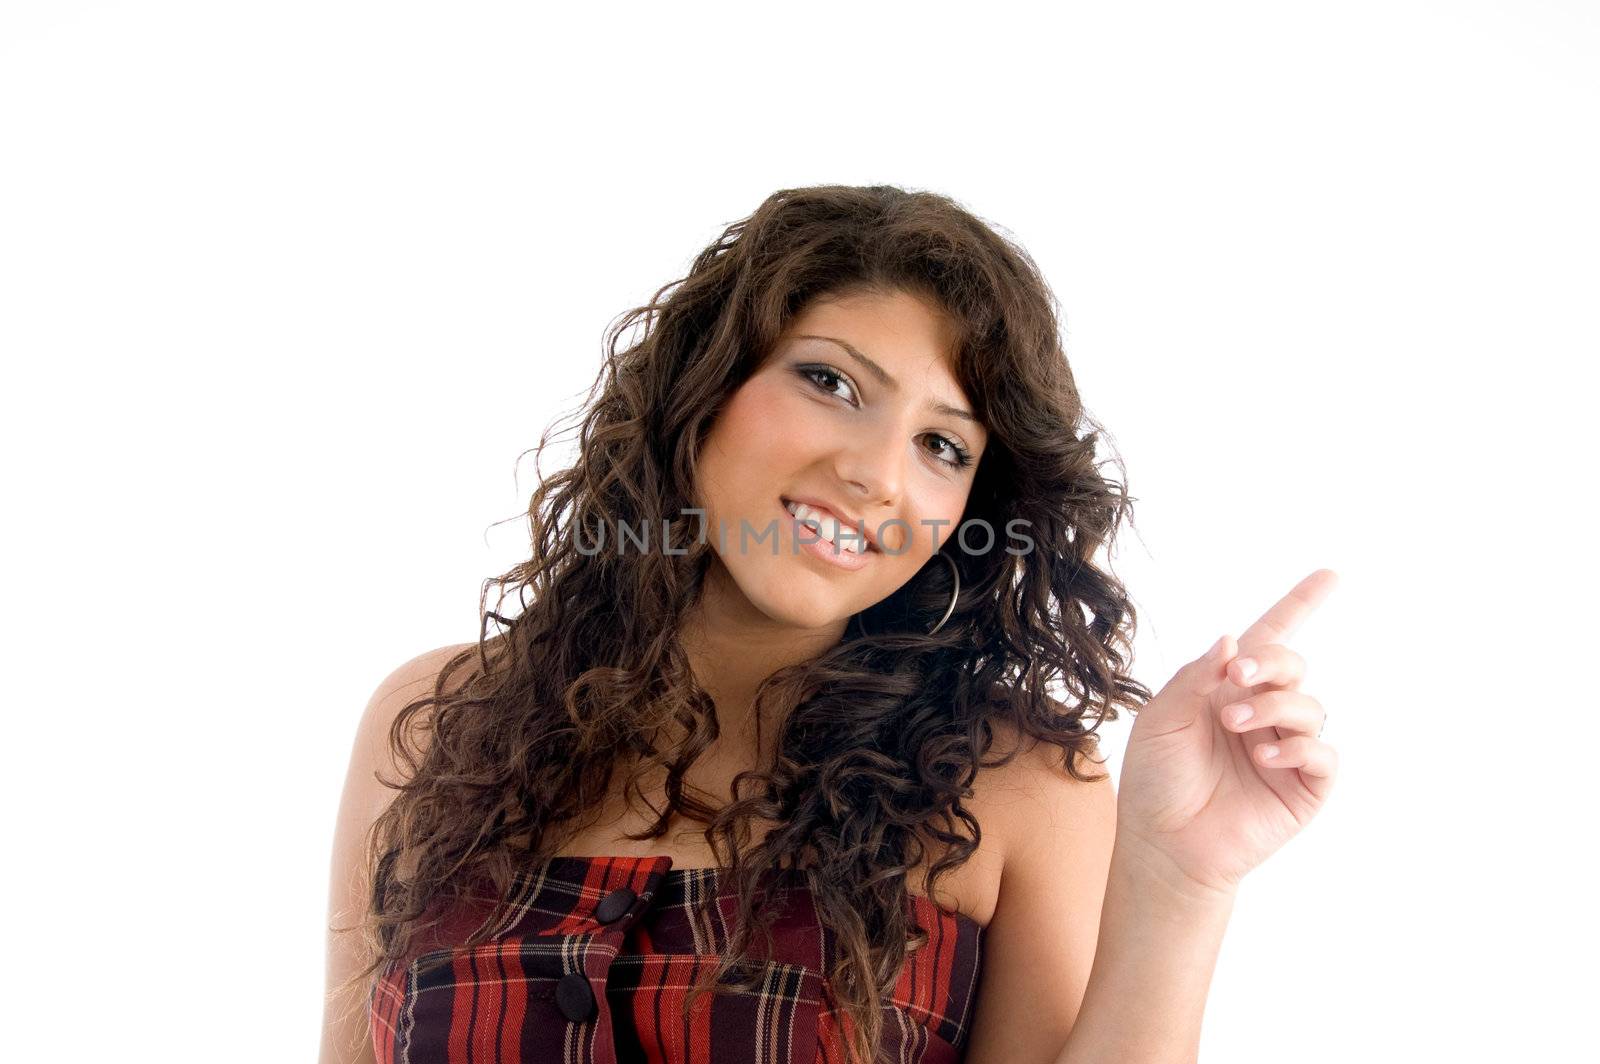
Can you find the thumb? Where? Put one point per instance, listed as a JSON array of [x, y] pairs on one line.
[[1184, 696]]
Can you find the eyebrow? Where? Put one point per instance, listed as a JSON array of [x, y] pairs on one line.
[[883, 376]]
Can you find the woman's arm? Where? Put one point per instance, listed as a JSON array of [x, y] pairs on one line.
[[1055, 835], [1207, 791], [1098, 951], [345, 1032], [1224, 765], [1158, 946]]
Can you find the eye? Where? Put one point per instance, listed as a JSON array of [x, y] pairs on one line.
[[818, 374], [956, 456]]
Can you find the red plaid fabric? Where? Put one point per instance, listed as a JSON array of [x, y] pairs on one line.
[[592, 964]]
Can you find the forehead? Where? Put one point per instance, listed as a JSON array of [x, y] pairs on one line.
[[906, 334]]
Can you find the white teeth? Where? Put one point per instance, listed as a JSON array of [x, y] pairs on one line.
[[828, 527]]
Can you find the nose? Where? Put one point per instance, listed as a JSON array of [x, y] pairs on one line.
[[874, 469]]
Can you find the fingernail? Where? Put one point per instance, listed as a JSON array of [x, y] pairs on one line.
[[1269, 752], [1216, 648], [1247, 667], [1242, 714]]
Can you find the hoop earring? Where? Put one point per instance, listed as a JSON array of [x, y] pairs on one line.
[[955, 592]]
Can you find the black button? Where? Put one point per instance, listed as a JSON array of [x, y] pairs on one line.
[[574, 997], [615, 906]]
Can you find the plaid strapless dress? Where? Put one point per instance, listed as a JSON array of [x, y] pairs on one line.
[[592, 964]]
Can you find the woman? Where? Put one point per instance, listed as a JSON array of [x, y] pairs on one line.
[[764, 766]]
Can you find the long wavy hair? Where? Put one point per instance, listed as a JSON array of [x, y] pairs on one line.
[[880, 737]]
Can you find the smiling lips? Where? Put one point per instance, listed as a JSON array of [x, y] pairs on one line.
[[837, 542]]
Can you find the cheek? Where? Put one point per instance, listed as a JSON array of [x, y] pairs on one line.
[[765, 425], [757, 437], [936, 522], [750, 415]]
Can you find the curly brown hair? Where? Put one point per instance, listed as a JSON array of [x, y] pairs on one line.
[[882, 736]]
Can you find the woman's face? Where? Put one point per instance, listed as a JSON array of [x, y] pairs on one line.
[[857, 414]]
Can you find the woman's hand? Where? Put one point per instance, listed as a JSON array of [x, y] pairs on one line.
[[1199, 797]]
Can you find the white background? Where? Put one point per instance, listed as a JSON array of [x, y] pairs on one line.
[[286, 288]]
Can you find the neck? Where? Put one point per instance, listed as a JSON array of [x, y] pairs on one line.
[[732, 647]]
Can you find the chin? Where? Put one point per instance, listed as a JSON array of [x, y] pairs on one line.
[[790, 613], [790, 605]]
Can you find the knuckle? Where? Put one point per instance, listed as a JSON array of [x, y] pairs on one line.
[[1282, 702], [1290, 663], [1279, 652]]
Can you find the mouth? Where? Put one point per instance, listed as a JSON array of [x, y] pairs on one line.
[[841, 533]]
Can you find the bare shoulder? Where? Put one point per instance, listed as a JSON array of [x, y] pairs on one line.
[[421, 671], [373, 753], [364, 798], [1037, 781], [1008, 802], [417, 676], [1057, 835], [413, 679]]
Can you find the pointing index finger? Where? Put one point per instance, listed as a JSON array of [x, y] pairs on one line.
[[1291, 611]]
